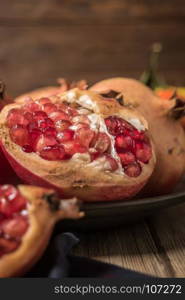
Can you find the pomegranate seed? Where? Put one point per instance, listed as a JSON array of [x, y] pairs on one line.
[[126, 158], [133, 170], [50, 131], [44, 124], [143, 152], [49, 108], [44, 141], [39, 115], [65, 135], [112, 162], [32, 126], [137, 135], [60, 125], [94, 155], [10, 201], [81, 119], [7, 246], [43, 101], [116, 125], [59, 115], [102, 142], [72, 147], [27, 148], [19, 135], [124, 142], [112, 125], [34, 135], [69, 110], [28, 116], [16, 117], [15, 227], [84, 136], [8, 191], [53, 153], [31, 106]]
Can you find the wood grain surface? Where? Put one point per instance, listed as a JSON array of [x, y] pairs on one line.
[[41, 40], [155, 246]]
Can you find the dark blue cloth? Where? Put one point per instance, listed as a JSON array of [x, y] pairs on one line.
[[57, 262]]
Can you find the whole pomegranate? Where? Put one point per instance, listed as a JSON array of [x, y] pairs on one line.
[[27, 217], [166, 131], [80, 143]]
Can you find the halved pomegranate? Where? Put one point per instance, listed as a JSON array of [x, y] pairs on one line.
[[83, 155], [27, 217]]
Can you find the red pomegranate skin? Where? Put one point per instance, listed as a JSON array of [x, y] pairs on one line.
[[6, 172], [78, 175]]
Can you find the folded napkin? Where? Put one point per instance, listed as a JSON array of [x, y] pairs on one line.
[[57, 262]]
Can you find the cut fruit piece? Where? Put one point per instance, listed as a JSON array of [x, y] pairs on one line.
[[80, 143], [24, 235]]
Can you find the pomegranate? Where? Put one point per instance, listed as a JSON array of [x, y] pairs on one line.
[[80, 144], [27, 217], [175, 98], [4, 99], [6, 170], [64, 85], [167, 133]]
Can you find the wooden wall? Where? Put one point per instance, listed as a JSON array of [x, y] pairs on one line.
[[41, 40]]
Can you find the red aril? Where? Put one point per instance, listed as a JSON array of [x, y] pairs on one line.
[[44, 141], [55, 152], [61, 125], [133, 170], [43, 101], [10, 200], [102, 142], [72, 147], [112, 162], [59, 115], [49, 108], [19, 135], [30, 105], [15, 227], [84, 136], [126, 158], [143, 152], [124, 142], [65, 135]]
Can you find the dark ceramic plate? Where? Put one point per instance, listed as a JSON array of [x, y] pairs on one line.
[[109, 214]]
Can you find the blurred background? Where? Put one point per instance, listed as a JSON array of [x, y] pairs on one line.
[[41, 40]]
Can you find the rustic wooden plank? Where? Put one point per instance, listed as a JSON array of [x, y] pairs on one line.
[[129, 247], [156, 247], [90, 12], [168, 232], [30, 57]]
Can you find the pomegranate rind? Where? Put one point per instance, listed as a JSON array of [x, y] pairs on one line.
[[78, 176], [167, 133]]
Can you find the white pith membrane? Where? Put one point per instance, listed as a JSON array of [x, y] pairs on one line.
[[14, 220], [97, 124]]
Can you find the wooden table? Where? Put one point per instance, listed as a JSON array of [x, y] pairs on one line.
[[154, 246], [41, 40]]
